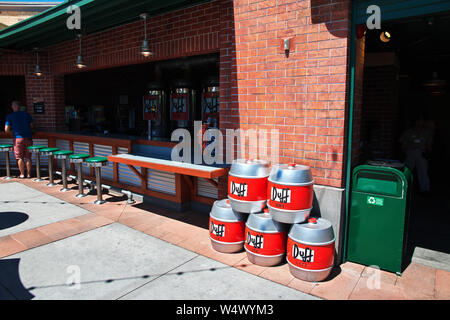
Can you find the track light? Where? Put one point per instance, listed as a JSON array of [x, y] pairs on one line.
[[145, 49], [80, 63], [385, 36]]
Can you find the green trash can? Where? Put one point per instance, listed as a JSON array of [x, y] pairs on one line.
[[379, 214]]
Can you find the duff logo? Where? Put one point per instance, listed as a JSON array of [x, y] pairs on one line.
[[238, 189], [281, 195], [218, 230], [256, 241], [306, 254]]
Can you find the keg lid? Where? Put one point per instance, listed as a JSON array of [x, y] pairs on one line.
[[291, 174], [252, 168], [222, 211], [315, 231], [263, 222]]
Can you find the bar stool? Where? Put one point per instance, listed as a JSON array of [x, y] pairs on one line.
[[63, 155], [6, 148], [98, 163], [36, 150], [49, 152], [78, 160]]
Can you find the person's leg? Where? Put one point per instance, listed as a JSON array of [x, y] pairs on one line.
[[28, 157], [422, 173], [21, 165]]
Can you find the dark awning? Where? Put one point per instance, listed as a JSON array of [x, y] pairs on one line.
[[49, 27]]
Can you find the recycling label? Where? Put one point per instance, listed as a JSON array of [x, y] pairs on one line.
[[375, 201]]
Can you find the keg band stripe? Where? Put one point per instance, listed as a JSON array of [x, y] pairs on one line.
[[266, 232], [312, 270], [305, 184], [289, 211], [264, 256], [315, 244], [221, 242], [244, 201]]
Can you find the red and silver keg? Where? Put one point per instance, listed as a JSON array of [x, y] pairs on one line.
[[265, 241], [226, 227], [290, 193], [247, 185], [310, 250]]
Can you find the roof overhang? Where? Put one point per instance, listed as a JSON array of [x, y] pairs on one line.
[[49, 27]]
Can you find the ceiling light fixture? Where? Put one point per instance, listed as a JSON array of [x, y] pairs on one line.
[[145, 49], [37, 69], [80, 63]]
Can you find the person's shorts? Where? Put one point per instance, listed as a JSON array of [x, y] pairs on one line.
[[21, 148]]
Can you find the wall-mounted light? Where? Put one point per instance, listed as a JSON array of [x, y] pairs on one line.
[[286, 46], [80, 63], [145, 49], [385, 36], [37, 69]]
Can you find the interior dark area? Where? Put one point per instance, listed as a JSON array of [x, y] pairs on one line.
[[111, 101], [11, 88], [407, 79]]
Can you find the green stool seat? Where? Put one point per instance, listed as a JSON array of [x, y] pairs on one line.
[[98, 163], [36, 148], [49, 152], [6, 148], [78, 159], [63, 155]]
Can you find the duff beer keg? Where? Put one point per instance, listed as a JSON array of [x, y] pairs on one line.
[[310, 250], [265, 240], [247, 185], [290, 193], [226, 227]]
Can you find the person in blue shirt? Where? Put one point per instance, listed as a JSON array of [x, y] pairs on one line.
[[20, 124]]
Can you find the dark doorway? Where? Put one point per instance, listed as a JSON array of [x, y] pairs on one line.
[[405, 80], [11, 88]]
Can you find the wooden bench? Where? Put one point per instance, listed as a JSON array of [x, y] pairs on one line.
[[187, 170]]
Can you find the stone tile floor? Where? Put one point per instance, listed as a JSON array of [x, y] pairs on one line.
[[189, 230]]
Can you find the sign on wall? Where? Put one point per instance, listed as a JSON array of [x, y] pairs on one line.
[[39, 105]]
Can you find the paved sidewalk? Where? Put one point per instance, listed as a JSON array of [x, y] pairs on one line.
[[198, 269]]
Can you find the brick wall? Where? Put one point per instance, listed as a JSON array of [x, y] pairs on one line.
[[302, 95]]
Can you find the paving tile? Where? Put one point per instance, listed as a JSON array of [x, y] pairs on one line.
[[352, 268], [370, 290], [381, 275], [10, 246], [95, 220], [417, 282], [279, 274], [229, 259], [249, 267], [442, 285], [300, 285], [56, 231], [32, 238], [336, 288]]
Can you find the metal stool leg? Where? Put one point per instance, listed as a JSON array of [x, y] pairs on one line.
[[80, 181], [98, 178], [8, 167], [38, 168], [64, 176], [50, 172]]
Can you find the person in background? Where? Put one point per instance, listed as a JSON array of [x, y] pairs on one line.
[[20, 124], [416, 143]]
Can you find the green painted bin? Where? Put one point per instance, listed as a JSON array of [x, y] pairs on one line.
[[379, 215]]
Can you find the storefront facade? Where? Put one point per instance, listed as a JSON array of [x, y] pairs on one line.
[[311, 93]]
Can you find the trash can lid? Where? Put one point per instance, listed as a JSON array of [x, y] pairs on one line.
[[316, 231], [223, 211], [79, 156], [97, 159]]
